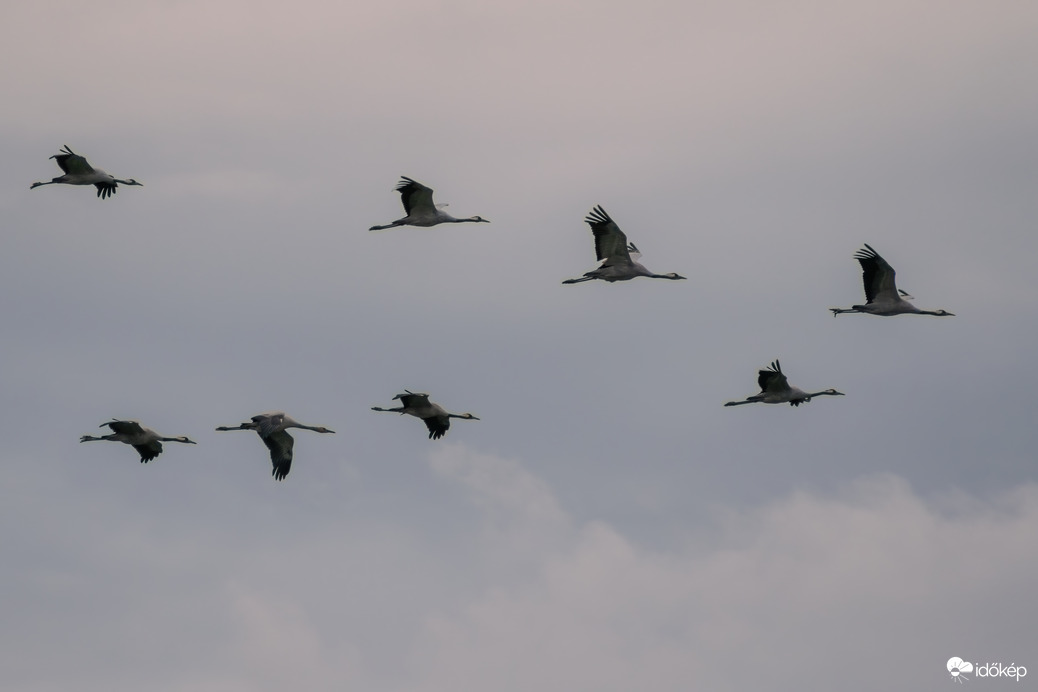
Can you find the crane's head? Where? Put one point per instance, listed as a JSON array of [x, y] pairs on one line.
[[185, 440], [673, 276], [322, 429], [131, 181], [478, 219], [944, 313]]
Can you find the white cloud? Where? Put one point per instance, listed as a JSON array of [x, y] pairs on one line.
[[500, 485], [802, 588], [522, 519], [278, 646], [867, 584]]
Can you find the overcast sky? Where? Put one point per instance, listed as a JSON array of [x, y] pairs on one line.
[[607, 525]]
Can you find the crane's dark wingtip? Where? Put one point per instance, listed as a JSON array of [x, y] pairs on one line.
[[597, 216]]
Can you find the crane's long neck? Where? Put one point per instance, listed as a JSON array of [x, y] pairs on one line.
[[315, 428]]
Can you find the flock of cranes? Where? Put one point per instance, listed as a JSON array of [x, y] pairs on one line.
[[617, 262], [272, 428]]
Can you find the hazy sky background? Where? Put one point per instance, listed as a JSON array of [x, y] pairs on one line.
[[607, 525]]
